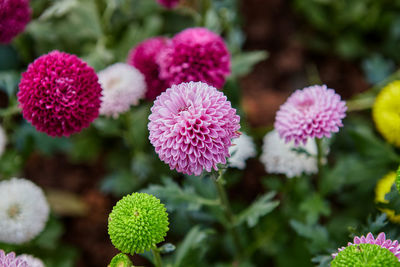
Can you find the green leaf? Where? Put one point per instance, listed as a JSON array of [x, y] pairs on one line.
[[175, 196], [398, 179], [257, 209], [50, 236], [120, 183], [317, 234], [9, 82], [314, 206], [243, 63], [192, 244], [59, 9]]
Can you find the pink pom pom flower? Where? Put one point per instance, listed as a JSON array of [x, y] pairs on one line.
[[392, 246], [10, 260], [143, 57], [59, 94], [195, 54], [191, 127], [14, 15], [315, 111], [168, 3]]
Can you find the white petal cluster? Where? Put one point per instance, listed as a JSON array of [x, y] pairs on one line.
[[23, 211], [123, 86], [242, 148], [31, 261], [3, 140], [287, 159]]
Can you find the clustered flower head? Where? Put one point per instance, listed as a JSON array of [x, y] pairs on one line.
[[120, 260], [191, 127], [10, 260], [242, 148], [59, 94], [137, 223], [123, 86], [168, 3], [14, 15], [383, 187], [143, 57], [363, 255], [31, 261], [285, 158], [315, 111], [392, 246], [195, 54], [386, 113], [24, 260], [23, 211]]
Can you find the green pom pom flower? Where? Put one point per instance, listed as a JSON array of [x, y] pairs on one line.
[[365, 255], [137, 223], [120, 260]]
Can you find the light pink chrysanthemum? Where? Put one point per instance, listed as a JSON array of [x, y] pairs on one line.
[[59, 94], [14, 15], [168, 3], [392, 246], [191, 127], [10, 260], [315, 111], [143, 57], [195, 54]]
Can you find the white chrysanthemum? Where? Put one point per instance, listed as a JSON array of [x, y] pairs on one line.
[[242, 148], [3, 140], [123, 86], [31, 261], [23, 211], [287, 159]]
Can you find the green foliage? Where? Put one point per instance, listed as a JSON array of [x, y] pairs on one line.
[[353, 29], [260, 207]]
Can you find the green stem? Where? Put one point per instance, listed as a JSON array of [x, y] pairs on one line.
[[230, 217], [320, 156], [156, 257], [360, 104]]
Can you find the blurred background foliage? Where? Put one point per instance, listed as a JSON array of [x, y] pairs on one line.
[[315, 214]]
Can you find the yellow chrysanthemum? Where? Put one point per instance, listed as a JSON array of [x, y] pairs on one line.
[[386, 113], [383, 187]]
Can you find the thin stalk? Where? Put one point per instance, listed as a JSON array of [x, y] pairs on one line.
[[157, 257], [319, 161], [230, 217]]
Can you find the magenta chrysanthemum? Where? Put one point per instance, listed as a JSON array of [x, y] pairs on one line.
[[14, 15], [10, 260], [315, 111], [143, 57], [59, 94], [196, 54], [392, 246], [191, 127], [168, 3]]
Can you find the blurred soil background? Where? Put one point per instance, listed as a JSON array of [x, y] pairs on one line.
[[269, 25]]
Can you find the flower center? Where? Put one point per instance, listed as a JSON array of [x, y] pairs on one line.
[[13, 211], [112, 83]]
